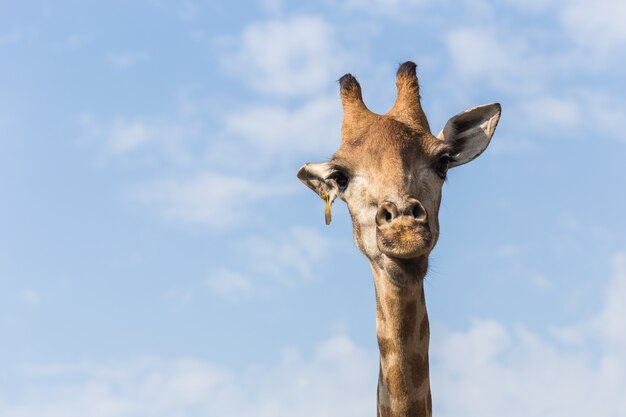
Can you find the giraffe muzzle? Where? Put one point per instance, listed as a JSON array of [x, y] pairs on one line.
[[403, 232]]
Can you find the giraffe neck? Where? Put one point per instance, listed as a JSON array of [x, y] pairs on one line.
[[403, 335]]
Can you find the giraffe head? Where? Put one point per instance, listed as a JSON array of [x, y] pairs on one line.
[[390, 170]]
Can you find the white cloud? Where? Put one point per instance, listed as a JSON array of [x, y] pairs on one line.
[[552, 112], [141, 138], [273, 6], [272, 261], [79, 40], [611, 322], [121, 61], [312, 128], [188, 11], [256, 136], [512, 145], [540, 281], [288, 257], [584, 37], [338, 380], [534, 6], [31, 298], [229, 284], [489, 55], [489, 370], [10, 37], [297, 56], [476, 51], [604, 114], [596, 24], [394, 8], [125, 136], [493, 371], [260, 141], [594, 112], [207, 198]]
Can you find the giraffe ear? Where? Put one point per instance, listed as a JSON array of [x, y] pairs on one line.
[[470, 132], [315, 176]]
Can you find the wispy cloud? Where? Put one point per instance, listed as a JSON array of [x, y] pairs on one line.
[[533, 68], [31, 297], [79, 40], [611, 321], [608, 327], [188, 10], [484, 53], [488, 370], [273, 6], [491, 370], [292, 57], [281, 260], [597, 25], [11, 37], [121, 61], [229, 284], [126, 136], [312, 128], [291, 257], [168, 140], [513, 145], [552, 112], [207, 198], [584, 36], [227, 168], [335, 380], [394, 8], [595, 113]]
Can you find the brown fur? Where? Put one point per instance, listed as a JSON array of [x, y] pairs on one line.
[[408, 106], [389, 167], [394, 145], [403, 343]]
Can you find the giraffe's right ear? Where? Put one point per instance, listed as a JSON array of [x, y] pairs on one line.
[[470, 132], [315, 176]]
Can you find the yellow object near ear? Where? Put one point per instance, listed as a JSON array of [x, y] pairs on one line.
[[327, 212]]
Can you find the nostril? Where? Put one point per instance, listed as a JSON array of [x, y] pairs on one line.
[[386, 213], [418, 211]]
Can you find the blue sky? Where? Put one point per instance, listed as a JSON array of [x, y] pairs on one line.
[[159, 257]]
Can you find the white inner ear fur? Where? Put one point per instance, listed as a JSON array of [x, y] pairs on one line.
[[314, 177], [471, 131]]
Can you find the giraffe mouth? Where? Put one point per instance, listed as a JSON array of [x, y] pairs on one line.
[[405, 240]]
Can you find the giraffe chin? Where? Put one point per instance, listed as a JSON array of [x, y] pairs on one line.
[[405, 243]]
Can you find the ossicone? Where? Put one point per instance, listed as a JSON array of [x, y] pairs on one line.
[[408, 106], [351, 96]]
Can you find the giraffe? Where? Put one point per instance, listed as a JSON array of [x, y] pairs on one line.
[[390, 170]]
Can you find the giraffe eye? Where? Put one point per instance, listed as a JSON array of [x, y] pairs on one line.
[[442, 166], [341, 179]]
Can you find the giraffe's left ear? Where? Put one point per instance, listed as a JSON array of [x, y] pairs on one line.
[[318, 177], [315, 177], [470, 132]]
